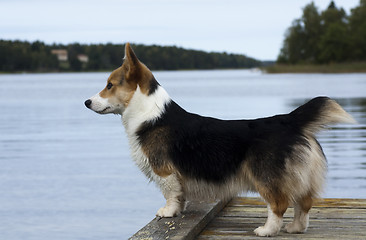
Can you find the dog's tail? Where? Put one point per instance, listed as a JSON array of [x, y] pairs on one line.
[[318, 113]]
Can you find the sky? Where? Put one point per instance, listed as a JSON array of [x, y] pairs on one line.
[[255, 28]]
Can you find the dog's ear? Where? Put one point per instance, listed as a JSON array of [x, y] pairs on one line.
[[130, 55], [131, 64]]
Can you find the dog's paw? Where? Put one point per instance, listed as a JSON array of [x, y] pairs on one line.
[[167, 212], [265, 232], [295, 227]]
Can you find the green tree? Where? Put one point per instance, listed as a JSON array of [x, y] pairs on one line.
[[330, 36], [312, 30], [293, 50], [357, 25], [73, 51], [94, 57], [334, 41]]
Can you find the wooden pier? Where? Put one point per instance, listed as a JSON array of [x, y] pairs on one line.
[[329, 219]]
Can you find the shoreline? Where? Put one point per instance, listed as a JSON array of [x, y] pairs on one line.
[[111, 70], [352, 67]]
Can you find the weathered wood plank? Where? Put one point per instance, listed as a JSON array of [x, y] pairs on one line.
[[314, 212], [329, 219], [183, 227], [239, 221], [347, 231], [327, 202], [282, 235]]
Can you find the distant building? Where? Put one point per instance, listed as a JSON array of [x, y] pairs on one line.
[[83, 58], [61, 54]]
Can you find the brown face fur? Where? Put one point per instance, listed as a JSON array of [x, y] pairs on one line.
[[123, 82], [118, 91]]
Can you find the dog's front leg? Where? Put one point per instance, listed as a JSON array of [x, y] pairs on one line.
[[173, 193]]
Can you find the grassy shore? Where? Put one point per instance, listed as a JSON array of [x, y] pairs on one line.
[[355, 67]]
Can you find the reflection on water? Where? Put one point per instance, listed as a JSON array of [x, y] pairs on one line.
[[66, 172]]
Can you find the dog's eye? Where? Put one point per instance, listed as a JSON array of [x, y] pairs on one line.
[[109, 86]]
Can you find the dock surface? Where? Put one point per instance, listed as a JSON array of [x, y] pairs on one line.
[[329, 219]]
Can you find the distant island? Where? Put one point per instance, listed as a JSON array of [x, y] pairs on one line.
[[23, 56], [326, 41]]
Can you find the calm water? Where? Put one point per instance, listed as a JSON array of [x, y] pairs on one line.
[[65, 172]]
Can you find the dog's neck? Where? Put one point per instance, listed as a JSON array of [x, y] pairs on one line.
[[144, 108]]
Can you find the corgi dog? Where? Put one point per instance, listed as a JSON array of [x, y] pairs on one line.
[[193, 157]]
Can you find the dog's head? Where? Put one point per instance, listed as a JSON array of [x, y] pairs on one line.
[[122, 84]]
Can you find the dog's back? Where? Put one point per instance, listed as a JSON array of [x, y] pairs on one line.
[[269, 150]]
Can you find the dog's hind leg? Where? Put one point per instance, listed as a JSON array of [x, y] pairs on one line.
[[174, 195], [277, 206], [301, 218]]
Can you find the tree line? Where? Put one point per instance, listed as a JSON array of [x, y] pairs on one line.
[[324, 37], [38, 57]]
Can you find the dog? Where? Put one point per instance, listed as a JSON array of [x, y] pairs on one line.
[[195, 157]]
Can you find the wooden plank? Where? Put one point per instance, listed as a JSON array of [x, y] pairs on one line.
[[327, 202], [250, 223], [318, 230], [329, 219], [319, 233], [282, 235], [183, 227], [340, 203], [261, 212]]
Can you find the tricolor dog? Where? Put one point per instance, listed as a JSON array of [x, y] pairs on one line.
[[195, 157]]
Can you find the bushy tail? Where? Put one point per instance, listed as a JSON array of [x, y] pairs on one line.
[[320, 112]]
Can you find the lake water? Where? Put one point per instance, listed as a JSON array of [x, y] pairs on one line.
[[66, 173]]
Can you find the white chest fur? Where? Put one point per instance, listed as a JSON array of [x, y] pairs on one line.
[[143, 108]]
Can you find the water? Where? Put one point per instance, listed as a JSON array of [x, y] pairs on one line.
[[65, 171]]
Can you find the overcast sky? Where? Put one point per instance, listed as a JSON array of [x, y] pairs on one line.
[[255, 28]]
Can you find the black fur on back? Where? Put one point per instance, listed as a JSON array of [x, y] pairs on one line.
[[213, 150]]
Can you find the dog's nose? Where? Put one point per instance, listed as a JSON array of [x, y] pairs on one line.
[[88, 103]]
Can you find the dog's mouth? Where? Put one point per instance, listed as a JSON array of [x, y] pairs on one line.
[[103, 111]]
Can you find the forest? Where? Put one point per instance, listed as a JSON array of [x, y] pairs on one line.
[[324, 37], [23, 56]]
